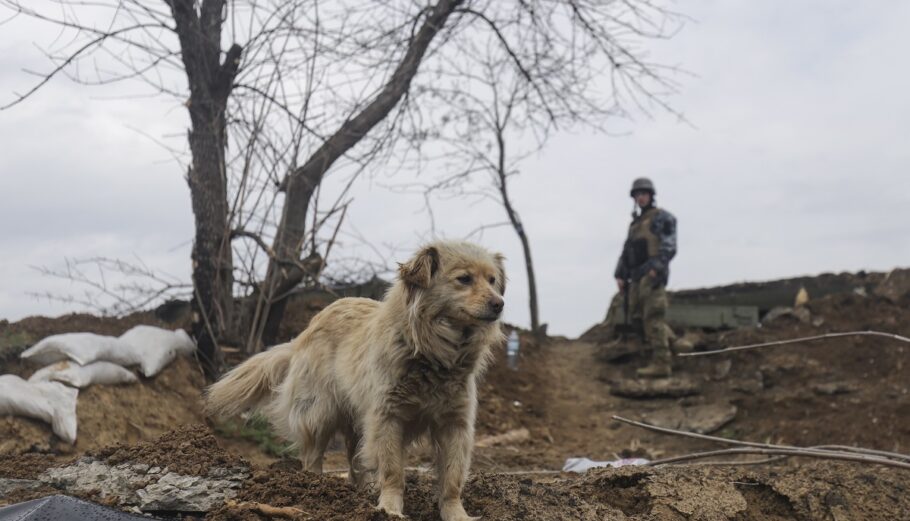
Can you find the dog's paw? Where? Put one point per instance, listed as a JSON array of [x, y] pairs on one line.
[[391, 504], [455, 512], [397, 515]]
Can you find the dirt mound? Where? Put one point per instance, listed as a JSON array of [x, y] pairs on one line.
[[28, 466], [117, 414], [319, 496], [851, 391], [814, 491], [40, 327], [190, 450]]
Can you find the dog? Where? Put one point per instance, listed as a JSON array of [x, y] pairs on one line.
[[386, 373]]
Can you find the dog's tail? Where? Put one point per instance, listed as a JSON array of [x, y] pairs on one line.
[[246, 386]]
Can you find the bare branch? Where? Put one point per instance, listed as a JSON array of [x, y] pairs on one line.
[[798, 340]]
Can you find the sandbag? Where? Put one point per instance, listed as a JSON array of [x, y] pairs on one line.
[[82, 348], [155, 348], [151, 348], [75, 375], [51, 402]]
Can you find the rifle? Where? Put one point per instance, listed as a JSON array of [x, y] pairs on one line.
[[625, 308]]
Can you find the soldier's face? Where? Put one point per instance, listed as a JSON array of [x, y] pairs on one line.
[[642, 198]]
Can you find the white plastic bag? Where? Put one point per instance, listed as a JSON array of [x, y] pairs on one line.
[[51, 402], [581, 465], [155, 348], [75, 375], [82, 348]]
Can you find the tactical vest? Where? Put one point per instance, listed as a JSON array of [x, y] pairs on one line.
[[642, 243]]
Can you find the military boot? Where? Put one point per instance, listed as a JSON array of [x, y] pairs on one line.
[[659, 367]]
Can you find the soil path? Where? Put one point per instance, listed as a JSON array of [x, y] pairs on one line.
[[561, 393]]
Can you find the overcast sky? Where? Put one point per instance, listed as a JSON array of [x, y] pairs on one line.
[[796, 162]]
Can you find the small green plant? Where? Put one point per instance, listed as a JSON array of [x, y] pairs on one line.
[[257, 430], [729, 433]]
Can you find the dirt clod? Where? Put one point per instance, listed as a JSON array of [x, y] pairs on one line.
[[190, 450]]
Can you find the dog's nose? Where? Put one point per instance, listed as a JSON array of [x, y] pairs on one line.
[[496, 304]]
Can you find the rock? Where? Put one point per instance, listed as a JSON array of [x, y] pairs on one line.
[[673, 387], [88, 475], [801, 313], [8, 485], [833, 388], [179, 493], [894, 286], [750, 385], [687, 342], [722, 369], [150, 489], [702, 419], [509, 438]]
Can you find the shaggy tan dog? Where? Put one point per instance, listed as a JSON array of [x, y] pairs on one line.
[[385, 373]]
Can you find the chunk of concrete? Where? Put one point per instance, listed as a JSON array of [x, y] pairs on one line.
[[894, 286], [702, 419], [673, 387]]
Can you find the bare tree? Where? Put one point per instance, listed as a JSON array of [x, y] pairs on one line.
[[306, 87], [505, 100], [491, 116]]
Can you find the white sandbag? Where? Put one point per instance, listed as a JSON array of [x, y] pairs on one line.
[[82, 348], [156, 348], [75, 375], [151, 348], [51, 402]]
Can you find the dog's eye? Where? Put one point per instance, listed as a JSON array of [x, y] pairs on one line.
[[464, 279], [492, 280]]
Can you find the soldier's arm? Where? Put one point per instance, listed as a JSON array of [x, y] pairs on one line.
[[664, 226]]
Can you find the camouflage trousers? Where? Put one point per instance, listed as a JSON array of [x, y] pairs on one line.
[[647, 304]]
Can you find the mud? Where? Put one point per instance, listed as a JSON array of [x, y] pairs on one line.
[[815, 491], [190, 450], [850, 391]]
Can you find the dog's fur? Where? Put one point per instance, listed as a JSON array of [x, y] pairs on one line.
[[385, 373]]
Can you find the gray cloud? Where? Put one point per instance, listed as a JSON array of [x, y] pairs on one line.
[[796, 162]]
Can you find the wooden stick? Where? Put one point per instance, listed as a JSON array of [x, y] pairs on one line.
[[861, 450], [845, 453], [796, 340], [269, 510], [763, 461], [801, 453]]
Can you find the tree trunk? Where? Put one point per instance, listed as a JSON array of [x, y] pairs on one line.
[[519, 229], [282, 276], [210, 83]]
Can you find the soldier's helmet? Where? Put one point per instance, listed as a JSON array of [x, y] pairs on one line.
[[642, 184]]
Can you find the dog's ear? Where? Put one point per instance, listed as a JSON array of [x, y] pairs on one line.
[[500, 261], [419, 271]]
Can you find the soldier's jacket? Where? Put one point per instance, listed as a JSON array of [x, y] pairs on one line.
[[651, 245]]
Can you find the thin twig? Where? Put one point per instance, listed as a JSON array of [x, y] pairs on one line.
[[763, 461], [797, 340], [847, 453], [798, 452]]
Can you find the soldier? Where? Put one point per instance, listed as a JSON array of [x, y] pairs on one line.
[[643, 271]]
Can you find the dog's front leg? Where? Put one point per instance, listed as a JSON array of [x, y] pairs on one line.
[[385, 446], [454, 444]]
